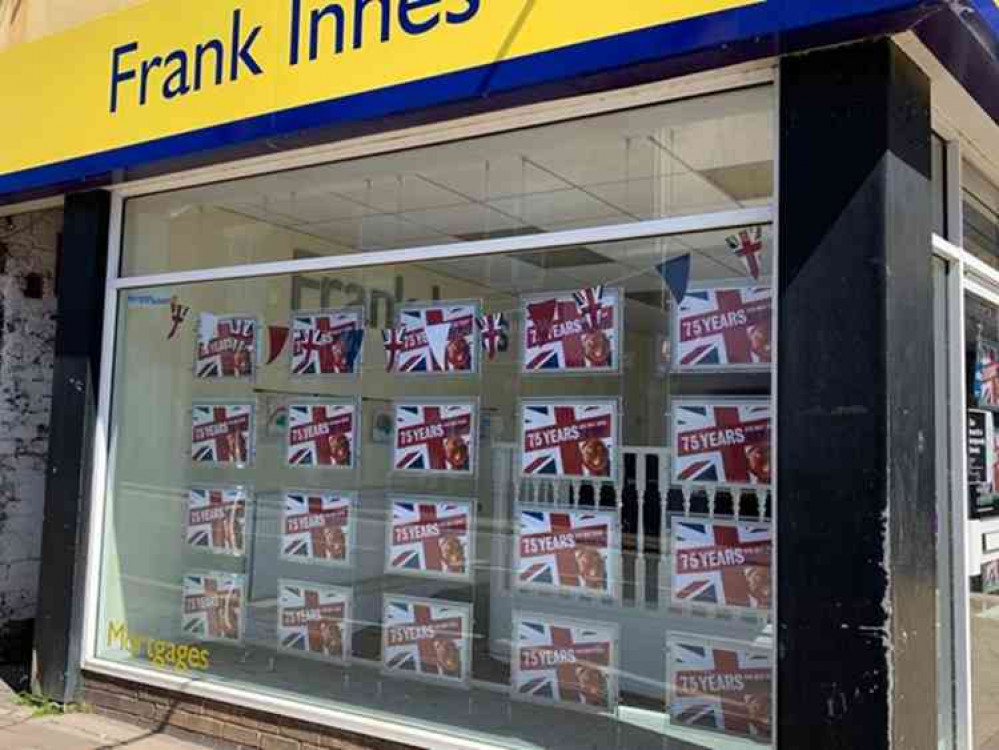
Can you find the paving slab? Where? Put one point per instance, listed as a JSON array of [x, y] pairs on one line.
[[21, 730]]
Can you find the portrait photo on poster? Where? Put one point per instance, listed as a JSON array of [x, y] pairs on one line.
[[568, 551], [572, 331], [318, 526], [430, 537], [426, 639]]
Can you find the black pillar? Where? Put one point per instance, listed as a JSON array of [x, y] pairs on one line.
[[856, 563], [82, 274]]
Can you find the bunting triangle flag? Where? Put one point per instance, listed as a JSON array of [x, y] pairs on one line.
[[277, 338], [676, 274]]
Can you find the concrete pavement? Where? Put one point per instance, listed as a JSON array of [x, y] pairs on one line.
[[20, 730]]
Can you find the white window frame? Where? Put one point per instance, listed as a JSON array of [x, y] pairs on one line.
[[967, 274], [741, 76]]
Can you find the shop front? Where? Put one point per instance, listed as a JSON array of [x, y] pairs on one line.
[[450, 375]]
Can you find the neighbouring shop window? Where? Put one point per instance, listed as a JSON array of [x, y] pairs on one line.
[[982, 337], [981, 215], [522, 498], [708, 154]]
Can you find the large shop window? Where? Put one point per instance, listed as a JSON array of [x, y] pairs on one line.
[[523, 497], [708, 154]]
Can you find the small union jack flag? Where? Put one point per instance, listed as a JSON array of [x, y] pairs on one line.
[[394, 340], [493, 330], [590, 302], [747, 246], [721, 563], [720, 686]]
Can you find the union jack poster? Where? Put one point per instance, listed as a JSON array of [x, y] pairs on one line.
[[227, 346], [322, 434], [435, 437], [317, 526], [566, 438], [327, 342], [721, 442], [568, 551], [722, 563], [431, 537], [213, 606], [222, 433], [438, 338], [986, 374], [426, 638], [217, 519], [720, 685], [314, 620], [572, 331], [723, 328], [566, 662]]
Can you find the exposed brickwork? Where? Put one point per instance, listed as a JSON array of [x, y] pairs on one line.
[[28, 245], [214, 724]]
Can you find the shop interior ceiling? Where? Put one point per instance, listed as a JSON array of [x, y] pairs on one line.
[[707, 155]]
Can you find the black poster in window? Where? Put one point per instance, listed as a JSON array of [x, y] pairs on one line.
[[982, 496]]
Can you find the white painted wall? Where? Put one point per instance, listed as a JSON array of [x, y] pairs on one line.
[[28, 245]]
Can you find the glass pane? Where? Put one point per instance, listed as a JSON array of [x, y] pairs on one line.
[[691, 156], [982, 338], [981, 215], [522, 498]]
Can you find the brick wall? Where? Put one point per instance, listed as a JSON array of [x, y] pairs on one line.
[[215, 724], [28, 244]]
